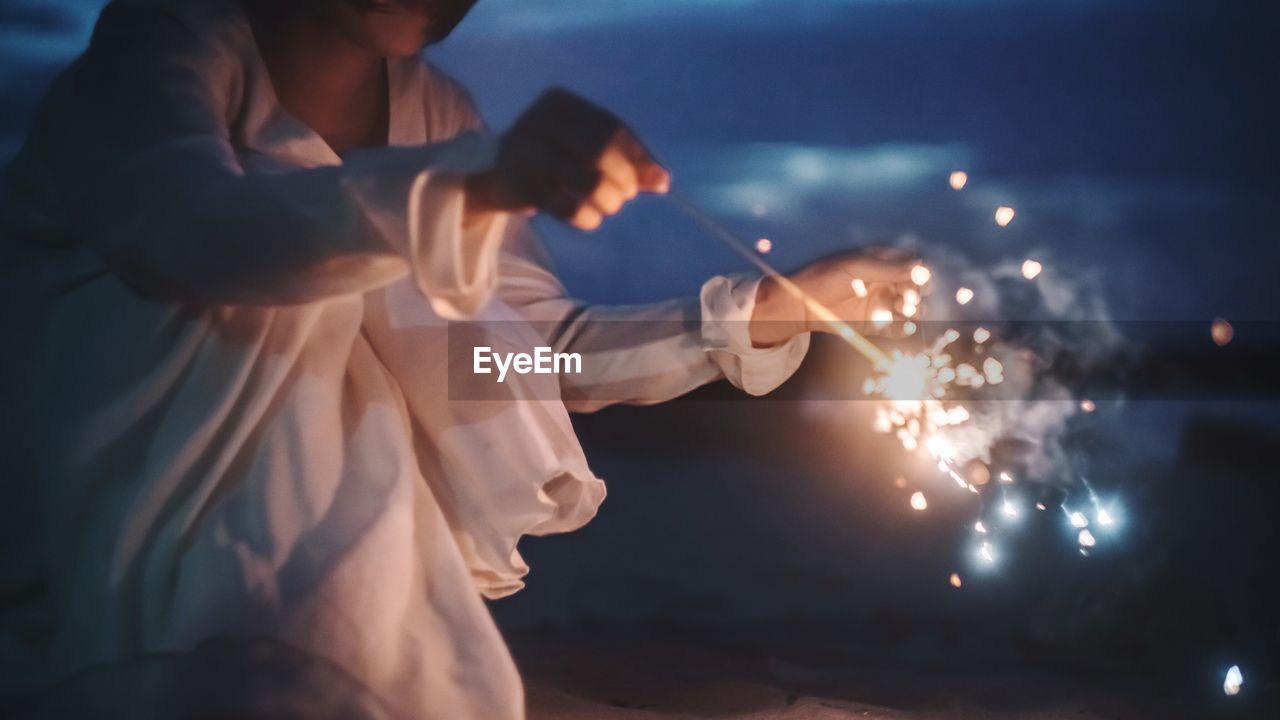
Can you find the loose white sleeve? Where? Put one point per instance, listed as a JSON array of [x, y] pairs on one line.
[[646, 354], [137, 139]]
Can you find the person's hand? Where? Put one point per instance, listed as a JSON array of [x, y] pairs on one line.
[[871, 289], [570, 158]]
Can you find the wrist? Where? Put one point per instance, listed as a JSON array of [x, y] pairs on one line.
[[777, 317]]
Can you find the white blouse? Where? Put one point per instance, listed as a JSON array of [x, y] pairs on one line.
[[229, 391]]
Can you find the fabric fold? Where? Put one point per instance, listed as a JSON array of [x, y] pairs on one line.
[[727, 306], [416, 199]]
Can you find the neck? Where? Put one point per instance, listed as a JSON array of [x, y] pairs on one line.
[[320, 75]]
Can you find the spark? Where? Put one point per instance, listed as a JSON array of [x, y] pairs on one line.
[[764, 245], [959, 179], [1040, 506], [1104, 517], [964, 295], [955, 580], [993, 370], [1088, 405], [1009, 509], [1004, 215], [881, 317], [1078, 520], [908, 328], [985, 553], [1006, 477], [1221, 332], [979, 528], [1086, 538], [918, 501], [1233, 682], [981, 335], [1031, 268], [920, 275], [859, 287]]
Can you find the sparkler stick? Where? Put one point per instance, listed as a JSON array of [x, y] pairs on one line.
[[855, 340]]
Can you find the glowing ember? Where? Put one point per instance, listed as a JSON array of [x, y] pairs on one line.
[[981, 335], [1040, 506], [764, 245], [959, 179], [1006, 477], [955, 580], [1004, 215], [1078, 520], [986, 553], [1009, 509], [1233, 682], [993, 370], [1221, 332], [1086, 538], [1087, 405], [979, 528], [918, 502], [1030, 269], [859, 287], [920, 275], [881, 317], [1104, 517], [964, 295]]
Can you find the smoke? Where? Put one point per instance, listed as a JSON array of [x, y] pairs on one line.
[[1022, 423]]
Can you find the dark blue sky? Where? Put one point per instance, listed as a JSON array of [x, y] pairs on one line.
[[1134, 138]]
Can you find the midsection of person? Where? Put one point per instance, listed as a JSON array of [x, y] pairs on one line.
[[240, 236]]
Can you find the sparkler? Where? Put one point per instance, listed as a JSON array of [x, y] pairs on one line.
[[911, 388], [842, 329]]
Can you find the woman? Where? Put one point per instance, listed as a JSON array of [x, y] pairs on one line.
[[238, 484]]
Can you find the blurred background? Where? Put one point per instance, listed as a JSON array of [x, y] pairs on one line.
[[751, 544]]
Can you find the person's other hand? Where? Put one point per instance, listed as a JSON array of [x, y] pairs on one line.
[[871, 289], [570, 158]]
